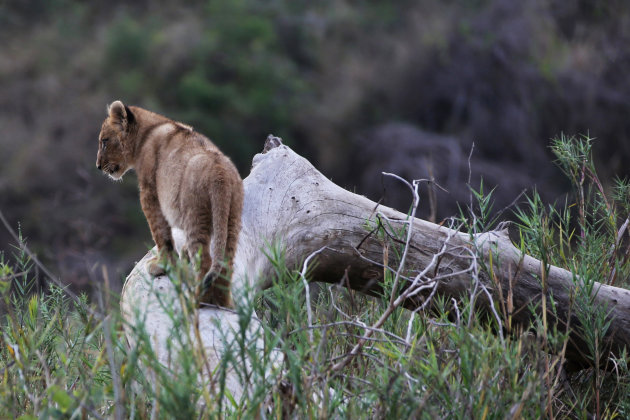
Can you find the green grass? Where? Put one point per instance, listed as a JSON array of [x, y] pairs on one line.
[[67, 358]]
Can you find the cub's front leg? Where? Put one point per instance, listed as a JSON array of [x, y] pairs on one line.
[[160, 230]]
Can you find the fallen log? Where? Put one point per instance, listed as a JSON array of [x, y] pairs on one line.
[[289, 201]]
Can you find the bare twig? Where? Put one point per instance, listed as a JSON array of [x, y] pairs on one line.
[[357, 324], [309, 311], [412, 217], [484, 289], [412, 289]]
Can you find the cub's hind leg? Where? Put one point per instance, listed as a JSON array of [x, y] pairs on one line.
[[218, 279], [227, 225], [234, 227], [197, 248]]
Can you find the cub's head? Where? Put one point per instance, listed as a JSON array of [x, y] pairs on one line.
[[114, 142]]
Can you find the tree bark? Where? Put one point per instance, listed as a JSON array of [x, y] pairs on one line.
[[287, 200]]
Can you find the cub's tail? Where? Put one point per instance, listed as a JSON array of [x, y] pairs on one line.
[[224, 244]]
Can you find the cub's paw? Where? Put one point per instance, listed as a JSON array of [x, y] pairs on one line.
[[208, 281], [155, 268], [184, 254], [214, 290]]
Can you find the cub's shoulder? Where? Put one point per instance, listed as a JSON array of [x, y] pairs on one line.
[[183, 126]]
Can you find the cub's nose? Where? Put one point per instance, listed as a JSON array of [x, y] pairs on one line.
[[98, 166]]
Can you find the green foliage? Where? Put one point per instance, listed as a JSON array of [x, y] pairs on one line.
[[67, 359], [479, 216], [55, 360], [233, 81], [584, 236]]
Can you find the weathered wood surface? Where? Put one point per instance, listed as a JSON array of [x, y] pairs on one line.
[[288, 200]]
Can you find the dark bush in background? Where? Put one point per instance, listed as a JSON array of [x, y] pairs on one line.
[[356, 87]]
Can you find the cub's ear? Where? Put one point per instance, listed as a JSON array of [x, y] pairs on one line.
[[120, 115]]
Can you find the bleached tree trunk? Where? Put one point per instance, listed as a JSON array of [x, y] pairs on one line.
[[287, 200]]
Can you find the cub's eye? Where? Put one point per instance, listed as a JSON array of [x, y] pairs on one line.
[[104, 142]]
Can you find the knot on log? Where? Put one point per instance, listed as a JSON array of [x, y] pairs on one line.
[[271, 143]]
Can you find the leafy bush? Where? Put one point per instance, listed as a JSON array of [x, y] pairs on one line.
[[229, 76]]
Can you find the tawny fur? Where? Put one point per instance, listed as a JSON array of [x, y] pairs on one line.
[[185, 182]]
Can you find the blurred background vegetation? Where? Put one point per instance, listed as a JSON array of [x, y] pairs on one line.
[[357, 87]]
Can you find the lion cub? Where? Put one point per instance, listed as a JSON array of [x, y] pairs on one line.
[[185, 182]]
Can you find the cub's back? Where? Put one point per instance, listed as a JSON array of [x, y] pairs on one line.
[[190, 167]]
